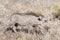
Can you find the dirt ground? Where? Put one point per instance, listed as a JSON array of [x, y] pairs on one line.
[[29, 19]]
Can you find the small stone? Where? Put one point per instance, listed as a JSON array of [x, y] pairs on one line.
[[10, 29], [17, 30], [34, 26], [45, 20], [16, 24], [24, 30], [39, 19]]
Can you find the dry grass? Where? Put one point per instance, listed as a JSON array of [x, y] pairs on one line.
[[49, 30]]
